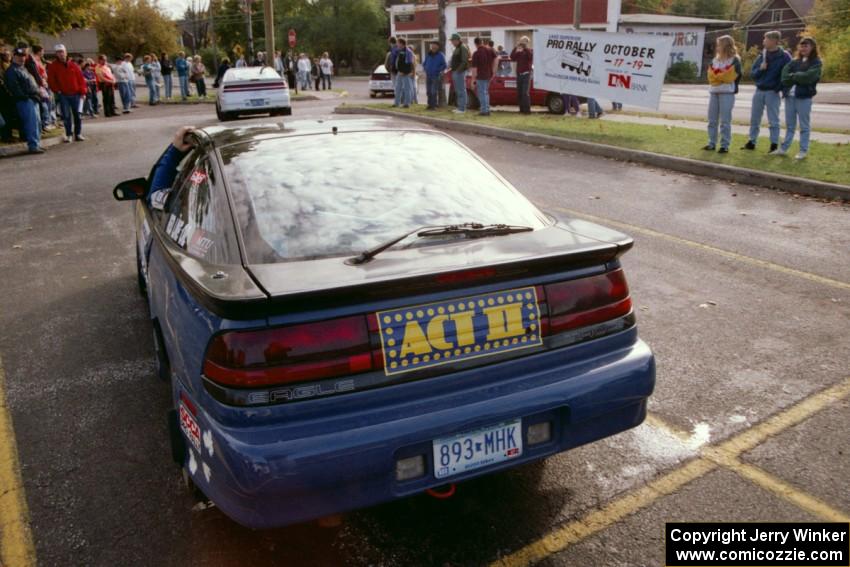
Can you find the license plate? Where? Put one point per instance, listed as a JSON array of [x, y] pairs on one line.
[[257, 102], [423, 336], [475, 449], [510, 84], [382, 85]]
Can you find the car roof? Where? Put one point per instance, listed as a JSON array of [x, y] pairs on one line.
[[222, 136], [248, 73]]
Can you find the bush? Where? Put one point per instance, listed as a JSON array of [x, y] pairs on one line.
[[835, 52], [682, 72], [209, 61]]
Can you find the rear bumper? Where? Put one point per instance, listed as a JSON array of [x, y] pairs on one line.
[[239, 103], [279, 474]]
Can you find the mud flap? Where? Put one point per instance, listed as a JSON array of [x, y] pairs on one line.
[[178, 444]]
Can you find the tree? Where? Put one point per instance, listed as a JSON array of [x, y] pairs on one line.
[[701, 8], [134, 26], [48, 16], [197, 19], [353, 31], [830, 25]]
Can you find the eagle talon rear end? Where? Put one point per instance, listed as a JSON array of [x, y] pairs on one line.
[[306, 385]]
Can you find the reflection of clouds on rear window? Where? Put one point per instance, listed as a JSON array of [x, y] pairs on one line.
[[325, 195]]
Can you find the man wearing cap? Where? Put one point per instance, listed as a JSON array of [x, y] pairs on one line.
[[26, 94], [435, 65], [523, 56], [458, 66], [65, 78]]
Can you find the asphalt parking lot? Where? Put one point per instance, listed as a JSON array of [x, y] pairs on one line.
[[743, 294]]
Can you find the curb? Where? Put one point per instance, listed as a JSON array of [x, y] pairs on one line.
[[21, 148], [685, 165]]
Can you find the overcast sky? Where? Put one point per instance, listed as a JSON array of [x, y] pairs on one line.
[[174, 8]]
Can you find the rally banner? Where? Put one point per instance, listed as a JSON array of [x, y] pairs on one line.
[[627, 68]]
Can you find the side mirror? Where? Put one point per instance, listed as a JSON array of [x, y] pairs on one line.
[[131, 190]]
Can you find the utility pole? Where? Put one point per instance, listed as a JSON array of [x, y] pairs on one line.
[[577, 14], [441, 19], [268, 11], [249, 56], [212, 34]]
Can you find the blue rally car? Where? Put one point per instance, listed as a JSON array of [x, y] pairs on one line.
[[355, 311]]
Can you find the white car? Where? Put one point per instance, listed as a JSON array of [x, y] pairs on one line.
[[252, 90], [577, 61], [380, 82]]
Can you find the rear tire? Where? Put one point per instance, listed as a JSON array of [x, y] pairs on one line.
[[373, 94], [555, 104], [472, 101]]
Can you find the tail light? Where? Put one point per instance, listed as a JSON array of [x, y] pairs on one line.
[[298, 353], [351, 345], [586, 301]]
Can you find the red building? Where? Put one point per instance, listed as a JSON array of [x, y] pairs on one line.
[[503, 21], [786, 16]]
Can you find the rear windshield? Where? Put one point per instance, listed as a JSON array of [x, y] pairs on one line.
[[326, 195], [248, 73]]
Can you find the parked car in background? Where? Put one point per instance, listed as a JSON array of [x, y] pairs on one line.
[[503, 91], [380, 82], [252, 90]]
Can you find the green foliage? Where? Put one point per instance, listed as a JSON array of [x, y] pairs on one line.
[[48, 16], [210, 61], [830, 26], [701, 8], [682, 72], [134, 26], [353, 31], [748, 57]]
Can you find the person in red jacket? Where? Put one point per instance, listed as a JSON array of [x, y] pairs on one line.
[[66, 79]]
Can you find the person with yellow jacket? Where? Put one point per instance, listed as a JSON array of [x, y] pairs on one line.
[[724, 74]]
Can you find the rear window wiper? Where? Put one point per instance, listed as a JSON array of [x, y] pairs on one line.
[[468, 229]]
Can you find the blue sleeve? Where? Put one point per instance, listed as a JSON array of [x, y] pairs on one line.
[[755, 72], [165, 171]]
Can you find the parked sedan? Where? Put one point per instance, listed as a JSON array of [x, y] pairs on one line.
[[334, 339], [503, 91], [252, 90]]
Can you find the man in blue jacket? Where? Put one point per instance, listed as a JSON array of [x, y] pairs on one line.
[[26, 95], [435, 65], [767, 74]]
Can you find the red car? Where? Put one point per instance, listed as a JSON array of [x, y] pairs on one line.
[[503, 91]]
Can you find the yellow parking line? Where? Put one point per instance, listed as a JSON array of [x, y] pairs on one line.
[[725, 455], [790, 417], [708, 248], [16, 546], [764, 479], [598, 520]]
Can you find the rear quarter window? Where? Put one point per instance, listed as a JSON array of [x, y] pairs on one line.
[[323, 195], [197, 217]]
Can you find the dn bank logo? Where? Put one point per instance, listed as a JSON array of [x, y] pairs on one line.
[[617, 80], [622, 81]]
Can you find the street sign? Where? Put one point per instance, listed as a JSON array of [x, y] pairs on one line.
[[292, 38]]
